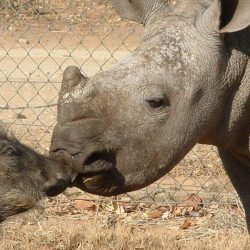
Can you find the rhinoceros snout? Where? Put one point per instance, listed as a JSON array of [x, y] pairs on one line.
[[93, 161]]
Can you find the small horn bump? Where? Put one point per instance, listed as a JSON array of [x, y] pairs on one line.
[[72, 76]]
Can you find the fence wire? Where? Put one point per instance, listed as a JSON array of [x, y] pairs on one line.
[[39, 39]]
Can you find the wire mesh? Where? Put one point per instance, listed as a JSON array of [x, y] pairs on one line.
[[39, 39]]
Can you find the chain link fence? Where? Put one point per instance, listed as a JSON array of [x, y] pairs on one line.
[[39, 39]]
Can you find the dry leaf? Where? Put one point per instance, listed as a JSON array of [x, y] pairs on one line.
[[190, 209], [176, 211], [84, 205], [155, 214], [164, 209], [193, 200], [186, 224], [166, 215]]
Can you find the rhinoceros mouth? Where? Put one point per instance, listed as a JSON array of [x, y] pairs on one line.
[[96, 172], [98, 163], [99, 174]]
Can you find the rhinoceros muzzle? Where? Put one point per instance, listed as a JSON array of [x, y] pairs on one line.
[[94, 163], [97, 172]]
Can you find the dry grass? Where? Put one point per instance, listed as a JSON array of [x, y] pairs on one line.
[[66, 233], [90, 234], [58, 226]]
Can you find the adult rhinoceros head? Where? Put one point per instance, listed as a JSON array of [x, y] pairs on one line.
[[125, 128]]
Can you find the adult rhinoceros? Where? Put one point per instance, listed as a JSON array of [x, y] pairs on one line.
[[187, 82]]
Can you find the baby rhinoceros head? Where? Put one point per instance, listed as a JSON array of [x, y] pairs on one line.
[[26, 176], [125, 128]]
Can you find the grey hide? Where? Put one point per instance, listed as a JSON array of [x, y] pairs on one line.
[[188, 82]]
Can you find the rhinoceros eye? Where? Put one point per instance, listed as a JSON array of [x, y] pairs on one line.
[[156, 103]]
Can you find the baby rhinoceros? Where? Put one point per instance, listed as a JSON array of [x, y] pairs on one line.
[[26, 176]]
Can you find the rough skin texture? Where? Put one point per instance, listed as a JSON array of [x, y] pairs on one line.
[[26, 176], [187, 82]]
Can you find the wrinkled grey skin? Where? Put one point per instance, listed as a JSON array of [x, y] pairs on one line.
[[26, 177], [187, 82]]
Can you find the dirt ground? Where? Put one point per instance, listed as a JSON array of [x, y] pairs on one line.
[[37, 42]]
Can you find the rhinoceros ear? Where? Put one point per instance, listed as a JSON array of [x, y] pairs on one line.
[[227, 16], [137, 10], [235, 15]]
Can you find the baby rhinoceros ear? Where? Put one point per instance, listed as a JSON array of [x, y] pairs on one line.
[[138, 10], [235, 15], [225, 16], [72, 76]]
